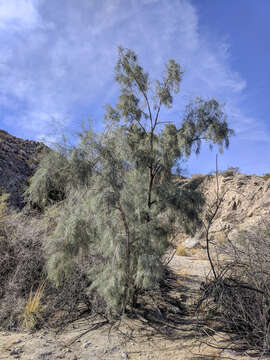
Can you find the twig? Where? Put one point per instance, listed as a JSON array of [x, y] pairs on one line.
[[94, 327]]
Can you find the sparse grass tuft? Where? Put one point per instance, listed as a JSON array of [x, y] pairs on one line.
[[33, 309], [3, 203], [181, 251]]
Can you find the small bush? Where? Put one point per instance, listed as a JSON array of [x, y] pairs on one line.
[[23, 269], [231, 171], [240, 295], [266, 176], [234, 169]]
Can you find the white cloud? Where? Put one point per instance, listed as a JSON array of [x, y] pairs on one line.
[[18, 14], [62, 65]]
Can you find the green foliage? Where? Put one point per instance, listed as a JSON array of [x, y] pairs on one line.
[[125, 211], [204, 120], [47, 186], [58, 171]]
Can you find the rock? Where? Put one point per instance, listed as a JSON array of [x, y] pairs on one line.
[[86, 345], [175, 309], [191, 242], [16, 351], [200, 235], [240, 184], [246, 201], [61, 356], [229, 178], [18, 341], [229, 352]]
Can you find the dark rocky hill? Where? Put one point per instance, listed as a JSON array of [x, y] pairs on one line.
[[18, 160]]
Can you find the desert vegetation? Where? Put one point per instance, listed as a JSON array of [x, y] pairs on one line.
[[266, 176], [238, 298], [121, 204], [101, 216]]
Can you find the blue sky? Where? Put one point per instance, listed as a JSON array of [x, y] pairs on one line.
[[57, 60]]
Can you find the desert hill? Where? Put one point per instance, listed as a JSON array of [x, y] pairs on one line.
[[245, 201], [18, 160]]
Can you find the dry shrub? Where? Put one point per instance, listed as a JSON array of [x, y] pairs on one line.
[[181, 251], [239, 298], [231, 171], [22, 266], [266, 176], [22, 270]]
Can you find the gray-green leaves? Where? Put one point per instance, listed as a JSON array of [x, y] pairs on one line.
[[121, 201]]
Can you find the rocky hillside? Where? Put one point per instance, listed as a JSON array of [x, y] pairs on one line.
[[245, 201], [18, 160]]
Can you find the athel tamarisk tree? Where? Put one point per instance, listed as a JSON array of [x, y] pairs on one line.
[[121, 202]]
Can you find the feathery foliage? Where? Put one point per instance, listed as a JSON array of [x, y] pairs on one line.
[[125, 204], [58, 172]]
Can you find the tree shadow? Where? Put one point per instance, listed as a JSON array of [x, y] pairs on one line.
[[169, 312]]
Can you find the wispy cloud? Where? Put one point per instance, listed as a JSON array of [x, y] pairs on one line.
[[57, 57], [19, 14]]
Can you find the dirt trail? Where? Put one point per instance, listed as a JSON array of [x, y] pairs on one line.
[[147, 337]]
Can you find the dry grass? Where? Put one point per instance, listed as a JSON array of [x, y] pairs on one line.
[[3, 204], [220, 238], [181, 251], [198, 253], [33, 309]]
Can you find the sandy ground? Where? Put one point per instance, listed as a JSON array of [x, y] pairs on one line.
[[135, 339]]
